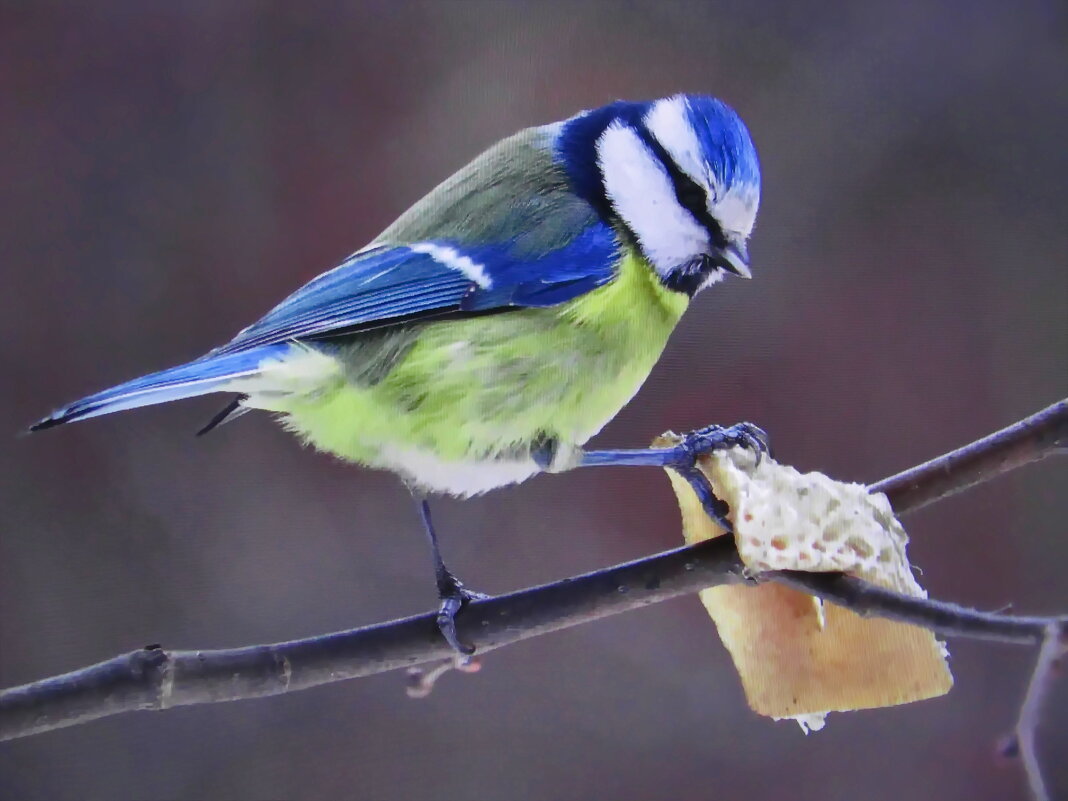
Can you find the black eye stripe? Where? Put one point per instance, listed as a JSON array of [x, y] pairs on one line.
[[690, 196]]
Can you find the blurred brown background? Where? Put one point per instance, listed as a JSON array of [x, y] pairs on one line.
[[169, 171]]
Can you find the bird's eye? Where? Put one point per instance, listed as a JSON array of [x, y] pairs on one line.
[[691, 195]]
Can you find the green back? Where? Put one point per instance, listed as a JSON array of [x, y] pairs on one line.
[[514, 192]]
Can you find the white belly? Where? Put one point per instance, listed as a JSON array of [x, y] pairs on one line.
[[462, 478]]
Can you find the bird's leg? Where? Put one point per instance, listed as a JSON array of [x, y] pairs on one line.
[[693, 445], [451, 592], [682, 458]]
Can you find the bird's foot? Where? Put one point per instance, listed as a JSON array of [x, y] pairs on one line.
[[453, 597], [715, 438], [682, 458]]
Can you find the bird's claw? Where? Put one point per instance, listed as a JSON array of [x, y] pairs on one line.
[[714, 438], [421, 680], [453, 597]]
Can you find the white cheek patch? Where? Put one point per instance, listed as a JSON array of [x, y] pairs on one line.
[[735, 210], [641, 192]]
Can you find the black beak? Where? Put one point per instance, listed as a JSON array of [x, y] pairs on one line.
[[735, 259]]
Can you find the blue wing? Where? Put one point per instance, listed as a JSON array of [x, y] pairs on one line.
[[521, 239], [390, 284]]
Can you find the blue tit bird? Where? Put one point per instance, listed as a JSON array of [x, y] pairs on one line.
[[498, 324]]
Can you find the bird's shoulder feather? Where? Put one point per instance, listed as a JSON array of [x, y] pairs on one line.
[[516, 192]]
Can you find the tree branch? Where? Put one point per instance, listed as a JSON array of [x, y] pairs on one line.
[[1043, 434], [153, 678]]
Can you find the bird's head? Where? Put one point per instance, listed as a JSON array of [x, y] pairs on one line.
[[679, 177]]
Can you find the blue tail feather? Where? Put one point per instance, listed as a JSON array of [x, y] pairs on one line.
[[200, 377]]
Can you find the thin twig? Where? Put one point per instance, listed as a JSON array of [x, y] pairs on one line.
[[943, 618], [153, 678], [1022, 742], [1043, 434]]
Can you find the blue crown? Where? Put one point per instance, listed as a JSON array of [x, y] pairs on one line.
[[725, 141]]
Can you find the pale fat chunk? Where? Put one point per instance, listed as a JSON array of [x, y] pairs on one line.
[[787, 520], [798, 658]]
